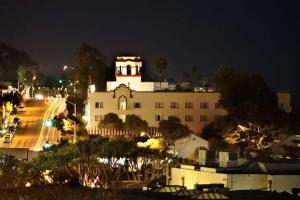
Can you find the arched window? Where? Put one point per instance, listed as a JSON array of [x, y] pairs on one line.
[[122, 103], [128, 70]]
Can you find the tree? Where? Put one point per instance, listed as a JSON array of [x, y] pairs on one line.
[[8, 173], [135, 124], [89, 64], [172, 128], [26, 76], [111, 120], [10, 60], [253, 120], [161, 65], [199, 77]]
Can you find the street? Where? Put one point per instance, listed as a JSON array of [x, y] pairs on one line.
[[32, 132]]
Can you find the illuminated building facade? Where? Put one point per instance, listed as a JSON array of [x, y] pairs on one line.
[[129, 95]]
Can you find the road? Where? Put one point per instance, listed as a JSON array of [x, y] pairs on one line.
[[32, 132]]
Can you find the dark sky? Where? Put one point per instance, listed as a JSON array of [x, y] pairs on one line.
[[253, 36]]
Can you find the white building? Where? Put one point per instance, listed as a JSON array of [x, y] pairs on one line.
[[190, 177], [129, 95]]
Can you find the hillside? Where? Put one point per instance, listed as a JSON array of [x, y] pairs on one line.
[[10, 60]]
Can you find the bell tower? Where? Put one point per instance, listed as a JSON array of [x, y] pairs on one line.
[[128, 66], [128, 72]]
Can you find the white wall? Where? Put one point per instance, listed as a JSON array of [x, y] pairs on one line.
[[134, 83], [193, 177], [148, 110], [248, 181], [186, 147], [282, 183]]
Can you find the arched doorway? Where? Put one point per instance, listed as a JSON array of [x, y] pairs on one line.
[[128, 70], [122, 103]]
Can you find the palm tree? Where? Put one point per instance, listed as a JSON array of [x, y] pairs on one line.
[[161, 64]]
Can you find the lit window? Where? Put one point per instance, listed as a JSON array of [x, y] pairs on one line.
[[97, 118], [101, 104], [189, 118], [174, 105], [137, 105], [157, 118], [204, 105], [159, 104], [203, 118], [189, 105]]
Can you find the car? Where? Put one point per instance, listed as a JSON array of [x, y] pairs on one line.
[[21, 108]]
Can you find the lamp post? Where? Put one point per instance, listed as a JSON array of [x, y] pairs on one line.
[[75, 137]]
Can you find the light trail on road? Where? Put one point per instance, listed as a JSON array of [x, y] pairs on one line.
[[57, 106]]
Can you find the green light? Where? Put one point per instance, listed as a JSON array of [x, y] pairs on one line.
[[49, 123]]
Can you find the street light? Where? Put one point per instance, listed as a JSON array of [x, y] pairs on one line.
[[74, 139]]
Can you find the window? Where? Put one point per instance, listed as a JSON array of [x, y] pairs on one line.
[[122, 103], [159, 104], [99, 105], [136, 105], [157, 117], [189, 105], [204, 105], [97, 118], [189, 118], [203, 118], [217, 105], [174, 105]]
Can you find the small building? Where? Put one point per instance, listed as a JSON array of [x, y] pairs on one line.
[[268, 176], [187, 147]]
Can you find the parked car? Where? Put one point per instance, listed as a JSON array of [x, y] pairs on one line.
[[21, 108]]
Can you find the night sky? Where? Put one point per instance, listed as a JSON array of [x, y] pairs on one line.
[[253, 36]]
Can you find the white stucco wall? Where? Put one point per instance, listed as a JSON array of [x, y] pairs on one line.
[[282, 183], [134, 83], [248, 181], [185, 147], [193, 177], [147, 111]]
